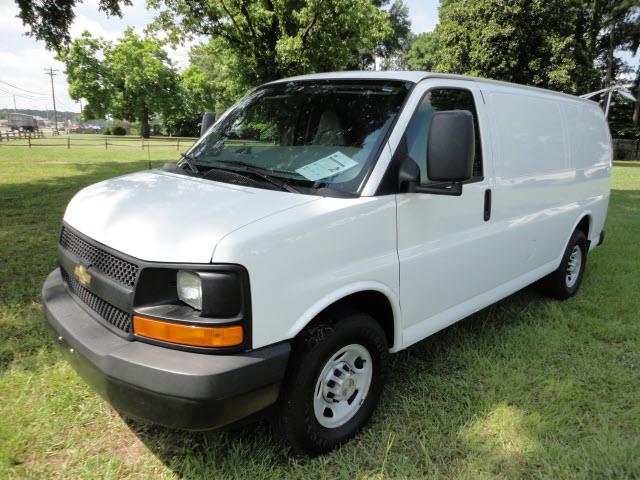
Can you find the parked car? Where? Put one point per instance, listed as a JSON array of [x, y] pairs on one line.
[[322, 224], [75, 128]]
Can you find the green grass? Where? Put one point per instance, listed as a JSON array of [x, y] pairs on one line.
[[90, 140], [87, 148], [528, 388]]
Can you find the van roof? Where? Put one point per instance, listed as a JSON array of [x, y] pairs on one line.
[[415, 77]]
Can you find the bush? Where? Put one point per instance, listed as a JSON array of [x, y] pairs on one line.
[[119, 130], [179, 126], [628, 132], [107, 131]]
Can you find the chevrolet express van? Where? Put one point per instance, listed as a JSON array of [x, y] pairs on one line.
[[321, 224]]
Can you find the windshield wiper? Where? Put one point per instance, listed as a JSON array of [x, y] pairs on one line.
[[188, 159], [260, 172]]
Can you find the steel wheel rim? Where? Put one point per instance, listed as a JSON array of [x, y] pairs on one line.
[[342, 386], [573, 267]]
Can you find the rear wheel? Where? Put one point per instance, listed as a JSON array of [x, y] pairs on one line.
[[566, 280], [337, 373]]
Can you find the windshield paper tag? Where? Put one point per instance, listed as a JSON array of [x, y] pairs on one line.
[[327, 167]]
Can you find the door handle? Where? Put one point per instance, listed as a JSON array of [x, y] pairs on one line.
[[487, 204]]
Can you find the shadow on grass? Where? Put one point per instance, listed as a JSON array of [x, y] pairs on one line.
[[436, 361], [524, 386], [30, 218]]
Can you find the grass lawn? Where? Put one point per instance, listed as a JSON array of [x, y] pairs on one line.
[[527, 388], [87, 148]]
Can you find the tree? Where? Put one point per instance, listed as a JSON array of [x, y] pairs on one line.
[[196, 95], [524, 41], [636, 92], [50, 20], [273, 39], [132, 79], [88, 76], [423, 52], [217, 66], [253, 41], [617, 28], [392, 48], [278, 35], [565, 45]]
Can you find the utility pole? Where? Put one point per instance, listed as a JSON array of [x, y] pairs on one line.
[[51, 73], [14, 104]]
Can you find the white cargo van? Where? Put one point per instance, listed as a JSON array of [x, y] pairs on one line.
[[321, 224]]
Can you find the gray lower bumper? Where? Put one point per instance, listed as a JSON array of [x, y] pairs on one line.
[[171, 387]]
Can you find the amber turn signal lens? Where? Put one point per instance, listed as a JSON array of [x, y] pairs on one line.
[[188, 334]]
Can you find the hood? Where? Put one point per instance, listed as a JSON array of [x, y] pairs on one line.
[[164, 217]]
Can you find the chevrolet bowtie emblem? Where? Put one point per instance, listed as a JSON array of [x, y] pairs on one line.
[[81, 273]]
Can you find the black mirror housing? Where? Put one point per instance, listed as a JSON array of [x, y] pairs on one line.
[[409, 181], [451, 146], [408, 175], [208, 119]]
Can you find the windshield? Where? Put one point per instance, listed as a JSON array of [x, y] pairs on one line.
[[303, 136]]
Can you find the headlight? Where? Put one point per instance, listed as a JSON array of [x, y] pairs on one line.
[[190, 289]]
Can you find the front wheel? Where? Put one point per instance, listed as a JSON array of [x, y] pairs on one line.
[[336, 377]]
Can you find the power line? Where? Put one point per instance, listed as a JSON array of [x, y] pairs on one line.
[[23, 89], [53, 96], [22, 95], [14, 99]]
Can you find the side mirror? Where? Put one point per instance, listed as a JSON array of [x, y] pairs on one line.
[[451, 146], [450, 152], [208, 119]]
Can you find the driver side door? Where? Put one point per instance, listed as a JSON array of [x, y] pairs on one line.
[[447, 247]]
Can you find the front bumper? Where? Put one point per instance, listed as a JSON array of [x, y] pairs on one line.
[[175, 388]]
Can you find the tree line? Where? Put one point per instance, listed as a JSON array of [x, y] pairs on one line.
[[565, 45], [62, 115]]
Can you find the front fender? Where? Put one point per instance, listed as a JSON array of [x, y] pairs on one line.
[[343, 292]]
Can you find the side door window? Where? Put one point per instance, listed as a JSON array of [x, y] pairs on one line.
[[438, 100]]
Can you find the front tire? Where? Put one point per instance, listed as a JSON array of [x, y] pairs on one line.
[[566, 280], [336, 376]]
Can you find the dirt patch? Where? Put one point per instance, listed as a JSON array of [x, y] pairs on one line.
[[131, 450], [55, 464]]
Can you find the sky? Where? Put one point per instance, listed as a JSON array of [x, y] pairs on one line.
[[23, 59]]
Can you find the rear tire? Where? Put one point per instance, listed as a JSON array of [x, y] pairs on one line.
[[566, 280], [336, 376]]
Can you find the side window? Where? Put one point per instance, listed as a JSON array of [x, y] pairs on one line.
[[437, 100]]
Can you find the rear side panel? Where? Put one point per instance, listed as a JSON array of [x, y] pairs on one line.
[[591, 155], [548, 176]]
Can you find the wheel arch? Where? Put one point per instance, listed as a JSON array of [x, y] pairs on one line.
[[374, 298], [583, 222]]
